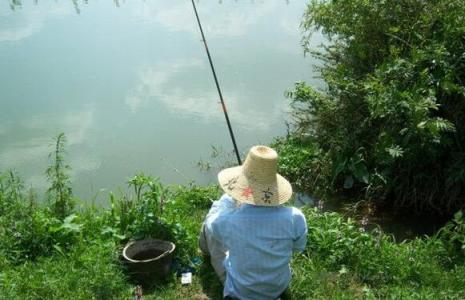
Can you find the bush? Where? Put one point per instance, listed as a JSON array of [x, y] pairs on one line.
[[303, 163], [186, 210], [186, 198], [453, 236], [391, 118], [343, 261], [27, 231]]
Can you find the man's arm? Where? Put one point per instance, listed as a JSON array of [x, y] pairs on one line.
[[225, 203], [300, 230], [216, 215]]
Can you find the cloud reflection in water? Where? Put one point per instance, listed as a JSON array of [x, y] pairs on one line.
[[19, 24], [160, 84], [31, 154]]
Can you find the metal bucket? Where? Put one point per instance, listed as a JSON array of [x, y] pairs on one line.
[[148, 259]]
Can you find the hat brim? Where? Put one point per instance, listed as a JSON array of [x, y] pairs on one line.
[[246, 190]]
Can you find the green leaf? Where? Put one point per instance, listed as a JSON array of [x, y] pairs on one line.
[[69, 225], [395, 151], [361, 172], [421, 125], [458, 215], [72, 227], [59, 250], [343, 270], [70, 218]]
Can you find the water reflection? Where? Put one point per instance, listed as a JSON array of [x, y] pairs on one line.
[[16, 26], [175, 16], [217, 21], [131, 87], [34, 148], [17, 4], [161, 84]]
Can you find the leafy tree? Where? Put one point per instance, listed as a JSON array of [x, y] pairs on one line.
[[392, 114]]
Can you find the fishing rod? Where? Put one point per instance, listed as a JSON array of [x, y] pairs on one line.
[[218, 86]]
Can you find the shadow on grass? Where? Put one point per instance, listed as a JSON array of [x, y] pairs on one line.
[[211, 285]]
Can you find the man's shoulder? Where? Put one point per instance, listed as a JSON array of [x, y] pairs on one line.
[[292, 211], [297, 212], [298, 216]]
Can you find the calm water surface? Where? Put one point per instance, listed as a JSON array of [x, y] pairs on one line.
[[131, 87]]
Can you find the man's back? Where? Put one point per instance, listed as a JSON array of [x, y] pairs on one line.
[[260, 241]]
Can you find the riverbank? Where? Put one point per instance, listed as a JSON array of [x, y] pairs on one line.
[[77, 257]]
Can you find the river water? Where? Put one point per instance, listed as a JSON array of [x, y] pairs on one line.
[[129, 83]]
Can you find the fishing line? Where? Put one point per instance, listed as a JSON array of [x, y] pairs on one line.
[[170, 165], [218, 86]]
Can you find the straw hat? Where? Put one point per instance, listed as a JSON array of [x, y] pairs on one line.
[[256, 181]]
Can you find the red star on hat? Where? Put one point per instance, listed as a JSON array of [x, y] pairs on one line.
[[247, 192]]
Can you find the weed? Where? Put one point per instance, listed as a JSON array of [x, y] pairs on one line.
[[60, 192]]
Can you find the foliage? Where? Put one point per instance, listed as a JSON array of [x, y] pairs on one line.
[[89, 271], [186, 211], [139, 217], [343, 261], [296, 158], [78, 257], [391, 118], [60, 191], [25, 231], [194, 197], [143, 215], [453, 235], [29, 231]]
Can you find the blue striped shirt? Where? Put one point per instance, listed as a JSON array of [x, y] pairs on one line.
[[260, 241]]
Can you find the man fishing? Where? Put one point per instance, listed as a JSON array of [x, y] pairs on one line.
[[248, 234]]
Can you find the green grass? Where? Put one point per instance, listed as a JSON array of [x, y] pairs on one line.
[[45, 257], [343, 262]]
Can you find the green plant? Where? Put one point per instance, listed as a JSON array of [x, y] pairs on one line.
[[296, 157], [185, 198], [390, 119], [185, 211], [453, 237], [60, 191], [139, 216], [343, 261], [88, 271], [44, 257], [27, 232]]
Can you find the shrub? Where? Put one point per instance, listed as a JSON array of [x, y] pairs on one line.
[[155, 211], [186, 210], [391, 118], [343, 261], [28, 231], [190, 197], [303, 163], [453, 237]]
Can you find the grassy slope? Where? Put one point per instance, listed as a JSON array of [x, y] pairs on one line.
[[341, 262]]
